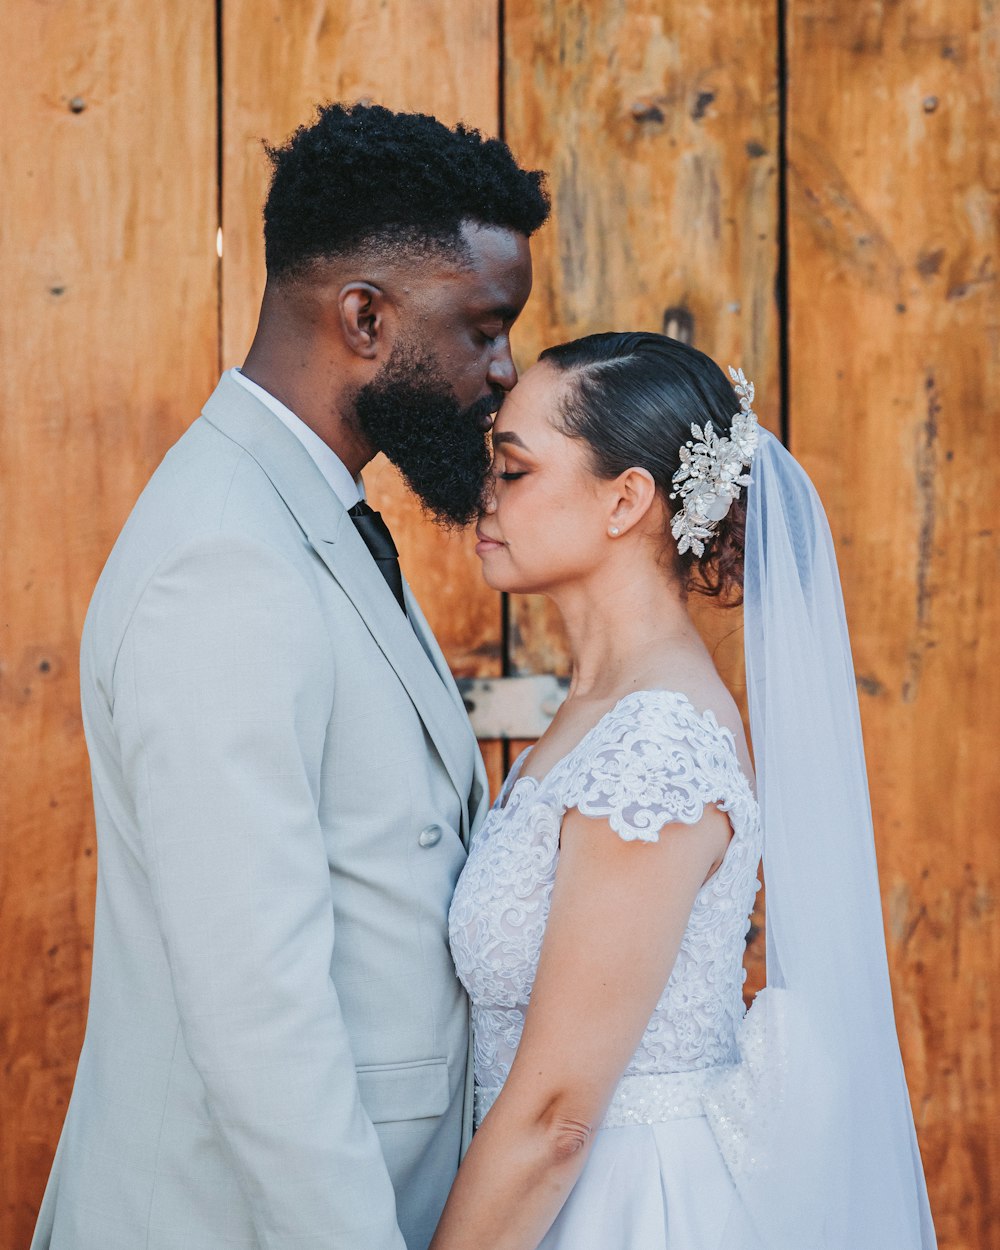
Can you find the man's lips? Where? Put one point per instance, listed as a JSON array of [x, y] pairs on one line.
[[484, 413]]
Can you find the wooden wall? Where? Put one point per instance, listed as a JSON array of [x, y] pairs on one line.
[[894, 336], [441, 58], [804, 187], [109, 343]]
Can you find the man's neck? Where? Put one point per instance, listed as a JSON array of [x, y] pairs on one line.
[[283, 370]]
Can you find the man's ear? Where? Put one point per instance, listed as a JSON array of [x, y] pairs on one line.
[[362, 310]]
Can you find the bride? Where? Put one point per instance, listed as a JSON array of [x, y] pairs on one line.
[[623, 1100]]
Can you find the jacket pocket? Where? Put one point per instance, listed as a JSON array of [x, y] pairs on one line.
[[404, 1091]]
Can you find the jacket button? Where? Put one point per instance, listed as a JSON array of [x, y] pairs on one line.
[[430, 836]]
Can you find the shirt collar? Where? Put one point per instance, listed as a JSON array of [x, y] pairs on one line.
[[348, 490]]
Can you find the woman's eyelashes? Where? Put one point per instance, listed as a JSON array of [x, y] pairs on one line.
[[510, 475]]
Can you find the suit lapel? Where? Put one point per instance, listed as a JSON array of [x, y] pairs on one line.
[[479, 793], [329, 530], [349, 561]]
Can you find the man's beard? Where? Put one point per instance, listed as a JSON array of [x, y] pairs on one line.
[[409, 412]]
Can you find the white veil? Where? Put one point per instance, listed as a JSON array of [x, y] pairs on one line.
[[837, 1164]]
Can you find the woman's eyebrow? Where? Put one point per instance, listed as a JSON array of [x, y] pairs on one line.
[[508, 436]]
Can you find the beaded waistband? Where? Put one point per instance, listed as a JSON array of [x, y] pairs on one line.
[[640, 1099]]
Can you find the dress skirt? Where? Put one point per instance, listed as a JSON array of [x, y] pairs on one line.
[[651, 1187]]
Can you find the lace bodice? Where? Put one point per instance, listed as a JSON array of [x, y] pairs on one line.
[[651, 760]]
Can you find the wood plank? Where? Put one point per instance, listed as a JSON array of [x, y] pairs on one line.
[[658, 123], [108, 331], [493, 756], [408, 55], [894, 118]]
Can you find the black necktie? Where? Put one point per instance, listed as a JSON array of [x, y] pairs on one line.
[[378, 540]]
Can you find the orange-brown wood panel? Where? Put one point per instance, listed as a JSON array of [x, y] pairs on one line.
[[894, 118], [109, 342], [280, 61], [493, 757], [658, 123]]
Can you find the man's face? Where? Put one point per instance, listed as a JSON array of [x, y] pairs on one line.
[[429, 408]]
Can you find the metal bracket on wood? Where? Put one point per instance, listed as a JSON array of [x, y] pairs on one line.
[[512, 707]]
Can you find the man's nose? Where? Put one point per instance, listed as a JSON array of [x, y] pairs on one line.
[[502, 372]]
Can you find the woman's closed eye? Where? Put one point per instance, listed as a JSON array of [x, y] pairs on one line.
[[510, 475]]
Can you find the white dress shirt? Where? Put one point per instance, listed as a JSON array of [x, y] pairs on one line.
[[337, 474]]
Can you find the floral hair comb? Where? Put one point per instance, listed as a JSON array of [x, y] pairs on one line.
[[712, 470]]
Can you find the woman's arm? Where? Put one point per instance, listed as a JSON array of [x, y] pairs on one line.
[[618, 913]]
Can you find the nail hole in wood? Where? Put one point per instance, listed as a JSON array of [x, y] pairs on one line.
[[646, 111], [678, 323], [700, 106]]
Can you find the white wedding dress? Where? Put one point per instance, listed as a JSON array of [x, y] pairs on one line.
[[666, 1163]]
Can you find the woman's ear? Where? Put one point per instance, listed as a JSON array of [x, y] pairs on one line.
[[633, 494], [362, 308]]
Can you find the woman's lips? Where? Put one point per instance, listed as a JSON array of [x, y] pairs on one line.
[[485, 543]]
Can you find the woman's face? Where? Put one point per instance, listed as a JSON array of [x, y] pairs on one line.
[[547, 521]]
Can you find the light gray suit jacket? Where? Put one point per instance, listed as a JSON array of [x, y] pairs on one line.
[[284, 778]]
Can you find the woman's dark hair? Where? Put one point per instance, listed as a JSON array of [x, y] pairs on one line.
[[632, 398], [363, 177]]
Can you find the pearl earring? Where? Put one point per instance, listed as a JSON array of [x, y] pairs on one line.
[[614, 531]]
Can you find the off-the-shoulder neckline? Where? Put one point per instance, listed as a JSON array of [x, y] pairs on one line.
[[706, 717]]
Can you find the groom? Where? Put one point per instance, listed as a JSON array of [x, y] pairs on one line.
[[283, 773]]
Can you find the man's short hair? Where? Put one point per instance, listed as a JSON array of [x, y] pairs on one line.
[[362, 179]]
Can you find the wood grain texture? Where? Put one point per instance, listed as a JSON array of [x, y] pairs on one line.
[[658, 125], [494, 758], [280, 61], [108, 330], [894, 118]]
